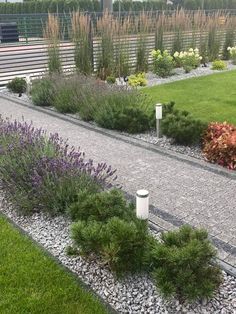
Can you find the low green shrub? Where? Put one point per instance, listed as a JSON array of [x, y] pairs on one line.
[[101, 206], [111, 79], [182, 264], [163, 63], [124, 111], [182, 128], [17, 85], [121, 244], [137, 80], [219, 65], [42, 92]]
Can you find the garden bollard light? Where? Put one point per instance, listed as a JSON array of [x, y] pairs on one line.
[[158, 118], [142, 204]]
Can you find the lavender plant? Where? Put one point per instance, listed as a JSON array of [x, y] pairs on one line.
[[44, 173]]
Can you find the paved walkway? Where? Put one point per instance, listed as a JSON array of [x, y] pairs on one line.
[[191, 194]]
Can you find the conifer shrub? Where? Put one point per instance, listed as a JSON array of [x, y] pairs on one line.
[[183, 266]]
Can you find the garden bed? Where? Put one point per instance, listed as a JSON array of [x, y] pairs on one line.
[[179, 74], [134, 294]]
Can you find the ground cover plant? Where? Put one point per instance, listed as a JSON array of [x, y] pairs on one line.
[[31, 282], [213, 101]]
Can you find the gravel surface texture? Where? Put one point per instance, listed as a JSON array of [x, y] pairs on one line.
[[134, 294]]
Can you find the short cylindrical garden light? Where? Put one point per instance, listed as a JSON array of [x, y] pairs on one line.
[[158, 118], [142, 204]]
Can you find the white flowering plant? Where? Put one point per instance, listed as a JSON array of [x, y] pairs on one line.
[[163, 63], [189, 60], [232, 51]]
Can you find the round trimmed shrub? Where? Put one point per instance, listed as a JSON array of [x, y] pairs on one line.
[[17, 85]]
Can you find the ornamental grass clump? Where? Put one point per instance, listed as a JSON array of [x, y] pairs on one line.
[[52, 36], [189, 60], [219, 144], [81, 36], [44, 173], [163, 63]]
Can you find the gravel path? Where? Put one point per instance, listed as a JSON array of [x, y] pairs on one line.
[[135, 294]]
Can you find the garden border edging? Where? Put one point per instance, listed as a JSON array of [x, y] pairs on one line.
[[78, 279]]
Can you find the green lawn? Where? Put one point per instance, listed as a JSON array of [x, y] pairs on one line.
[[31, 282], [210, 98]]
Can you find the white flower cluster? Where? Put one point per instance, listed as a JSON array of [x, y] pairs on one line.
[[190, 53], [232, 50]]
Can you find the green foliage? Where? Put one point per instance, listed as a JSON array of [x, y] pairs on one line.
[[213, 48], [178, 41], [54, 62], [81, 35], [136, 80], [114, 241], [189, 60], [124, 111], [111, 79], [182, 266], [163, 63], [101, 206], [65, 101], [141, 55], [42, 92], [219, 65], [17, 85], [182, 128]]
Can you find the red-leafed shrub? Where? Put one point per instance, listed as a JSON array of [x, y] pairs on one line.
[[219, 145]]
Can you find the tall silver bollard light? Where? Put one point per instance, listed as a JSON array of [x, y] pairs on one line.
[[142, 204], [158, 119]]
